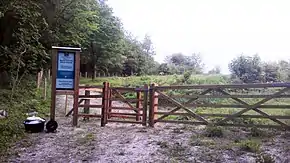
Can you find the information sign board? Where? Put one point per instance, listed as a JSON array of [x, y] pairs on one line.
[[65, 75]]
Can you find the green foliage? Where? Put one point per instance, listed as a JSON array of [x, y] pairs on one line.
[[25, 99], [256, 132], [250, 146], [214, 131], [179, 63], [246, 68]]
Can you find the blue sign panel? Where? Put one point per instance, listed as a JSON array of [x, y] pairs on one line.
[[65, 70]]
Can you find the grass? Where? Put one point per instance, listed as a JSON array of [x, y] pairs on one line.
[[134, 81], [26, 99], [250, 145]]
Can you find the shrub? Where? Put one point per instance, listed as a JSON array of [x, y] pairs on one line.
[[250, 146], [214, 131]]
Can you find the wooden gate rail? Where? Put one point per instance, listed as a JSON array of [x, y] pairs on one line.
[[256, 107]]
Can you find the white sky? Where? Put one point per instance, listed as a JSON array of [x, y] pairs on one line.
[[218, 29]]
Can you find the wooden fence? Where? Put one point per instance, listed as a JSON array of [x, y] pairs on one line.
[[256, 104], [241, 105]]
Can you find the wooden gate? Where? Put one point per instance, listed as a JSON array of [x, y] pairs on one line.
[[223, 105], [124, 105]]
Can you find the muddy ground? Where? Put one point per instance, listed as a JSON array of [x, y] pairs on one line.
[[133, 143]]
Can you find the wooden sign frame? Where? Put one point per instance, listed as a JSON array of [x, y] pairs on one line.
[[66, 77]]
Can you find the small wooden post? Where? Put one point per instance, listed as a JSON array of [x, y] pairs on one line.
[[45, 88], [86, 74], [87, 102], [151, 105], [104, 103], [108, 111], [138, 104], [65, 104], [145, 103]]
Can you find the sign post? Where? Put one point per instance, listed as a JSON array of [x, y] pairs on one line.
[[65, 77]]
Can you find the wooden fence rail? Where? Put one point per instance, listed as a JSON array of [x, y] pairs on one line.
[[194, 104]]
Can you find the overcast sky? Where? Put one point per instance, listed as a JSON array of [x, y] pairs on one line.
[[218, 29]]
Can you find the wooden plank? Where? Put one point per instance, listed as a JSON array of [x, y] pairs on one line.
[[227, 96], [120, 121], [123, 89], [188, 102], [225, 115], [216, 86], [119, 113], [90, 96], [124, 108], [124, 117], [90, 106], [62, 92], [232, 106], [90, 86], [180, 105], [257, 110], [250, 107], [126, 100], [90, 115]]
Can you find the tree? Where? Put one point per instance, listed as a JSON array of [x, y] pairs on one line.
[[246, 68], [215, 70], [181, 63], [271, 72], [163, 68]]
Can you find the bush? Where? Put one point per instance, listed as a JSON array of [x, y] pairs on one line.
[[214, 131], [250, 146]]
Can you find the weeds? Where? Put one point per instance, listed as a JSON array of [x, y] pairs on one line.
[[264, 158], [250, 146], [214, 131]]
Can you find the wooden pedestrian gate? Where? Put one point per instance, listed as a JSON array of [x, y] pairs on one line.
[[237, 105], [124, 105]]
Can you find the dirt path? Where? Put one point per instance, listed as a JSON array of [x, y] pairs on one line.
[[134, 143]]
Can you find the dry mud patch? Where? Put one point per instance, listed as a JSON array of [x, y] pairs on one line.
[[133, 143]]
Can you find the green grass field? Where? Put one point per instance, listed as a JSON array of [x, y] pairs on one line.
[[134, 81]]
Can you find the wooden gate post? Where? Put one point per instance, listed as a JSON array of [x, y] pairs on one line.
[[145, 103], [138, 103], [105, 105], [87, 103], [109, 101], [155, 102], [151, 105]]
